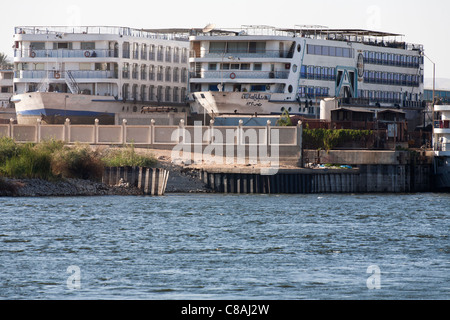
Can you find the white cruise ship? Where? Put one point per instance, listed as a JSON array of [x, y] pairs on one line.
[[265, 70], [82, 73]]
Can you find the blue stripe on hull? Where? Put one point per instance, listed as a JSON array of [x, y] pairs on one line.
[[62, 112]]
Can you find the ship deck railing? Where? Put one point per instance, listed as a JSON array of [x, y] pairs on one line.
[[442, 124], [229, 56], [66, 53], [77, 74], [442, 147], [239, 74], [367, 37], [119, 31]]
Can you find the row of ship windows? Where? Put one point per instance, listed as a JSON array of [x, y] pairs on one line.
[[89, 50], [375, 77], [396, 79], [389, 96], [153, 93], [329, 51], [370, 57], [389, 59], [312, 92], [380, 96], [158, 73]]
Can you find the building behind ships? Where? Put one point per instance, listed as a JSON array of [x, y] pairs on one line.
[[265, 70]]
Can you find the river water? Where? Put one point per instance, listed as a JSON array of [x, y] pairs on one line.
[[213, 246]]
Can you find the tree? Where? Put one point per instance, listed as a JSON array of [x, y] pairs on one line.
[[4, 62], [285, 119]]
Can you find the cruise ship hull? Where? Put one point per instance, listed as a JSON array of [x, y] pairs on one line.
[[52, 107], [222, 103]]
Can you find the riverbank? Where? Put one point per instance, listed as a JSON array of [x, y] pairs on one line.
[[181, 180], [66, 188]]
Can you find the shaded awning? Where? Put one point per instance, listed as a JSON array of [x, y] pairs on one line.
[[367, 110]]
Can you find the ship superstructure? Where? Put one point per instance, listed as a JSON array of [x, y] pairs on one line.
[[266, 70], [83, 73]]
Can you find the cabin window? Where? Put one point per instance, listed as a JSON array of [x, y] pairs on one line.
[[175, 94], [126, 50], [237, 47], [212, 66], [346, 53], [257, 47], [37, 45], [62, 45], [213, 87], [318, 50], [257, 66], [257, 87], [333, 51], [245, 66], [88, 46], [303, 72], [217, 47]]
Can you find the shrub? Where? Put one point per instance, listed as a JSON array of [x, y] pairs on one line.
[[80, 162], [327, 139]]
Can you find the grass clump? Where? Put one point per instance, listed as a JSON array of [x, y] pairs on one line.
[[25, 161], [127, 157]]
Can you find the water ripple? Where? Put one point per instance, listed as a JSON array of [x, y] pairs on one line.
[[225, 247]]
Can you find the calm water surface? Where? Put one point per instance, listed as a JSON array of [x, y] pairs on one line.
[[225, 247]]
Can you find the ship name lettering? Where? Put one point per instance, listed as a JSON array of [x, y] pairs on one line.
[[255, 97]]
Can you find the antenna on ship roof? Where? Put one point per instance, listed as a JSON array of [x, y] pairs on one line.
[[210, 27]]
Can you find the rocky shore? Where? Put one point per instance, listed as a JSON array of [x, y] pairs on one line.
[[66, 188], [181, 180]]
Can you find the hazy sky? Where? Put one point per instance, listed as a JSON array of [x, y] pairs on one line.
[[422, 22]]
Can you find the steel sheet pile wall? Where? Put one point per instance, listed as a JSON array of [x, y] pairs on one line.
[[366, 179], [151, 181]]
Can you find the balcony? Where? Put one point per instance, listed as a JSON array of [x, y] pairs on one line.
[[239, 74], [442, 127], [39, 75], [442, 149], [264, 54], [65, 53]]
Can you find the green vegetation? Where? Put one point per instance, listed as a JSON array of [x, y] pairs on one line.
[[77, 162], [327, 139], [127, 158], [285, 119], [5, 64], [52, 160], [27, 161]]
